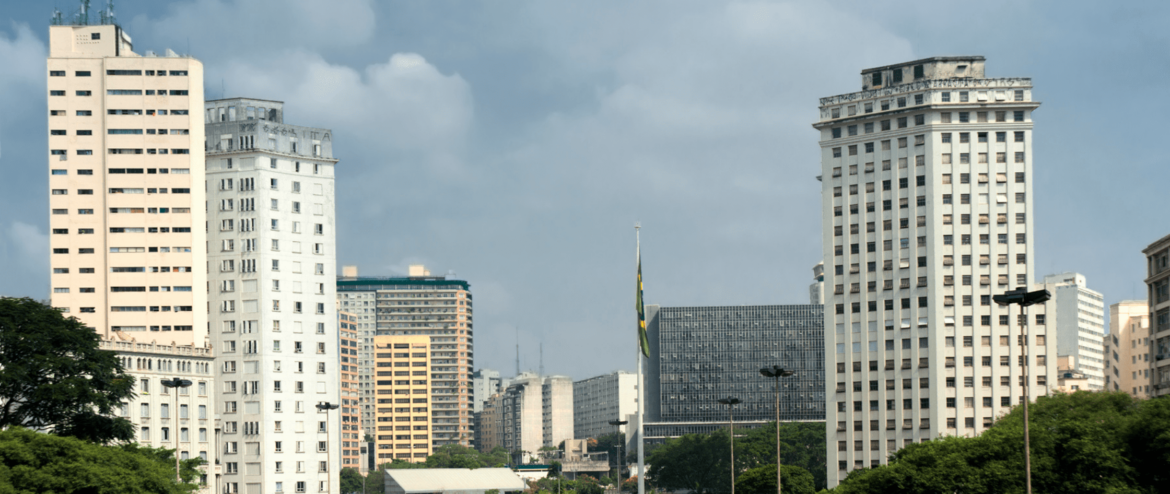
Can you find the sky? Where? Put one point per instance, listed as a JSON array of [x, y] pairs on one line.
[[515, 144]]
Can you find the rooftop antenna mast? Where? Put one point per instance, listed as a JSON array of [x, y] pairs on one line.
[[56, 19], [517, 328], [542, 358], [83, 15]]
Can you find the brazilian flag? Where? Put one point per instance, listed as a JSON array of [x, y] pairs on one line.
[[642, 341]]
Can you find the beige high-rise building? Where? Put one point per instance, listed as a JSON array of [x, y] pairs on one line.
[[1127, 348], [418, 304], [402, 392], [126, 204], [927, 214]]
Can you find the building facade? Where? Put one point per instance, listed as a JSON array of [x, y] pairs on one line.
[[127, 246], [534, 411], [1127, 348], [484, 384], [403, 393], [351, 422], [1080, 325], [185, 419], [1158, 287], [599, 400], [125, 200], [701, 354], [489, 424], [927, 213], [418, 304], [273, 311]]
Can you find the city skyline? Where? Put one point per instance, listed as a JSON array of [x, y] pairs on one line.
[[478, 168]]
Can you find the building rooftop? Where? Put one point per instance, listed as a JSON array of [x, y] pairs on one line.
[[428, 480]]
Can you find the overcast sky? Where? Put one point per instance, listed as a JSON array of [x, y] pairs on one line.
[[517, 143]]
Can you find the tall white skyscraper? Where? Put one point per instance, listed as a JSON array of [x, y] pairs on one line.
[[927, 214], [1079, 315], [126, 220], [272, 263]]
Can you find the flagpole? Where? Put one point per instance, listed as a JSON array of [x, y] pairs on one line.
[[641, 412]]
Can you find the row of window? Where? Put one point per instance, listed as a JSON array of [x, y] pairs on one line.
[[919, 99], [174, 132], [131, 171], [228, 306], [920, 119], [86, 73], [126, 92]]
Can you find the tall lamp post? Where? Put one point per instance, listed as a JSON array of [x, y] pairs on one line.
[[177, 383], [619, 424], [777, 372], [1024, 298], [730, 402], [325, 406]]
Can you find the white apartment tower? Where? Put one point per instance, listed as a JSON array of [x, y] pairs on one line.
[[272, 297], [1079, 315], [927, 210], [126, 220]]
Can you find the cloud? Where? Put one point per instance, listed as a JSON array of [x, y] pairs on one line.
[[256, 28]]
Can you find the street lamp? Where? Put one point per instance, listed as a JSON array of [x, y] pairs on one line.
[[730, 402], [176, 383], [621, 439], [777, 372], [325, 406], [1024, 298]]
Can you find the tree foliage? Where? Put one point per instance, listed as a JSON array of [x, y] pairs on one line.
[[762, 480], [351, 481], [699, 462], [54, 377], [36, 462], [1082, 442]]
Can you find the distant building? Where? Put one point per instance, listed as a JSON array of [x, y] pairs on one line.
[[536, 412], [816, 291], [1080, 325], [351, 425], [599, 400], [1127, 348], [1069, 378], [489, 424], [484, 384], [403, 390], [701, 354], [1158, 285], [418, 304]]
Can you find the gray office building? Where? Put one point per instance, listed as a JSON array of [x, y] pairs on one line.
[[701, 354]]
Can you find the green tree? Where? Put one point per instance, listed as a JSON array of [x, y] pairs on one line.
[[351, 480], [697, 462], [54, 377], [762, 480], [1082, 442], [801, 444], [36, 462]]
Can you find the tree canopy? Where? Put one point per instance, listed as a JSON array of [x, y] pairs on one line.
[[762, 480], [36, 462], [700, 461], [1081, 442], [54, 377]]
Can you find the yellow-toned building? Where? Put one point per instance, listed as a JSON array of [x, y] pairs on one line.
[[1127, 348], [402, 392]]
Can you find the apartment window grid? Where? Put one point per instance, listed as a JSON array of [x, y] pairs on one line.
[[887, 268], [708, 352]]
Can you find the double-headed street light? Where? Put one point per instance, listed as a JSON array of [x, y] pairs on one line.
[[621, 439], [1024, 298], [777, 372], [730, 402], [177, 382]]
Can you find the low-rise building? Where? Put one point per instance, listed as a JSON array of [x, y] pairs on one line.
[[1069, 378], [452, 481]]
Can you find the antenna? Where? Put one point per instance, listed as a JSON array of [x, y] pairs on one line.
[[517, 328], [542, 358]]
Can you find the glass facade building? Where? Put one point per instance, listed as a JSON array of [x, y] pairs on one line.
[[701, 354]]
